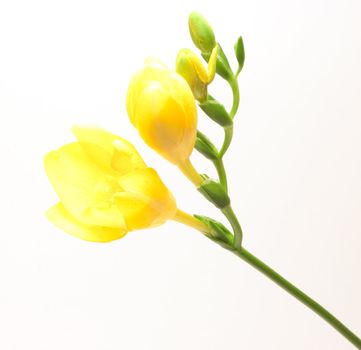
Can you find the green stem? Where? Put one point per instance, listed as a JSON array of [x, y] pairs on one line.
[[238, 71], [228, 130], [228, 134], [218, 163], [298, 294], [235, 90], [237, 230]]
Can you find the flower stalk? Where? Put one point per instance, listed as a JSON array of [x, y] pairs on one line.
[[290, 288], [189, 220]]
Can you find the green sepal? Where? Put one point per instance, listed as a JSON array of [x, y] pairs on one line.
[[219, 232], [216, 111], [223, 56], [239, 51], [205, 146], [222, 68], [214, 192]]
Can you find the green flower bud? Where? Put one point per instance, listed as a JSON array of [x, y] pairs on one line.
[[215, 193], [218, 231], [216, 111], [201, 32], [239, 51], [205, 146]]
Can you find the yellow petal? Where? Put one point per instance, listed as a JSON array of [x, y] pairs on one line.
[[139, 81], [122, 158], [125, 157], [160, 104], [198, 66], [77, 180], [154, 72], [164, 125], [147, 186], [192, 70], [60, 217], [212, 64], [74, 175], [136, 210]]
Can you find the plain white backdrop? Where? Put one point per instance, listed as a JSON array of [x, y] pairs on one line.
[[294, 170]]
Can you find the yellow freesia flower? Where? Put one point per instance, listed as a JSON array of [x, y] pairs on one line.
[[190, 67], [161, 106], [105, 188]]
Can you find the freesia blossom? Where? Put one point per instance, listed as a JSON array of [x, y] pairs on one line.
[[105, 188], [162, 108]]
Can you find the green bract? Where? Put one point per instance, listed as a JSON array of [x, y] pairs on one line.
[[216, 111], [205, 146], [215, 193], [219, 232]]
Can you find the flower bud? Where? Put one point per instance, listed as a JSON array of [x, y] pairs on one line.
[[201, 32], [190, 67], [215, 193], [206, 147], [217, 231], [216, 111], [239, 52], [161, 106]]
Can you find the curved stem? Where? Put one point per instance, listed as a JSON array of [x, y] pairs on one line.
[[235, 90], [236, 74], [298, 294], [237, 229], [218, 163], [228, 134], [228, 130]]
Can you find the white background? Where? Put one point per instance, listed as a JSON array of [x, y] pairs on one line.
[[294, 170]]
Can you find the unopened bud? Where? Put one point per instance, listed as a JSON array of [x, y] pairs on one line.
[[206, 147], [201, 32], [218, 231], [216, 111], [191, 68], [239, 51], [215, 193]]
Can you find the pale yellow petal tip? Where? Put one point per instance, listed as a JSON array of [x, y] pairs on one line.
[[49, 160], [75, 129], [79, 131], [155, 62], [212, 64], [62, 219]]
